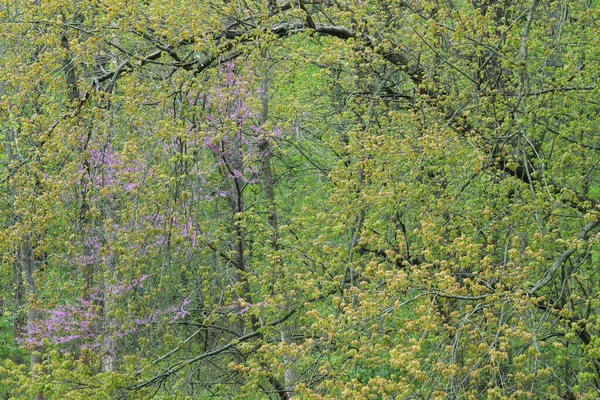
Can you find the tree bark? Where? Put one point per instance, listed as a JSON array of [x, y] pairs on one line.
[[266, 173], [28, 265]]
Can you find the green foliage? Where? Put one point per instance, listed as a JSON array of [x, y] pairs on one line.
[[326, 200]]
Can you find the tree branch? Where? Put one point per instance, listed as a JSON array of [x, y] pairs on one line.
[[549, 274], [163, 375]]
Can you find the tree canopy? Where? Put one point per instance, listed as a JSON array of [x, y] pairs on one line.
[[319, 199]]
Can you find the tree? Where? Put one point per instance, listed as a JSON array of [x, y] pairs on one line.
[[316, 199]]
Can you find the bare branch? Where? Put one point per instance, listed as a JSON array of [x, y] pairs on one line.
[[549, 274], [163, 375]]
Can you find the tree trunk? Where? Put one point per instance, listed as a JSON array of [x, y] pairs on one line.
[[28, 265], [266, 174]]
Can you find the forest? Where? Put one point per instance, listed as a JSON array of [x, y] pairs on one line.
[[299, 199]]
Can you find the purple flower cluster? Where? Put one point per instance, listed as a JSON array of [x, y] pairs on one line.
[[80, 321], [235, 134], [63, 324]]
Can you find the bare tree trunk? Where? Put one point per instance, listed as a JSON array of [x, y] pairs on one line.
[[266, 173], [28, 265], [238, 244], [19, 289], [109, 324], [109, 345], [90, 271], [27, 292], [234, 168]]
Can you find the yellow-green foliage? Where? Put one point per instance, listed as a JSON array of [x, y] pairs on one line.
[[322, 199]]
